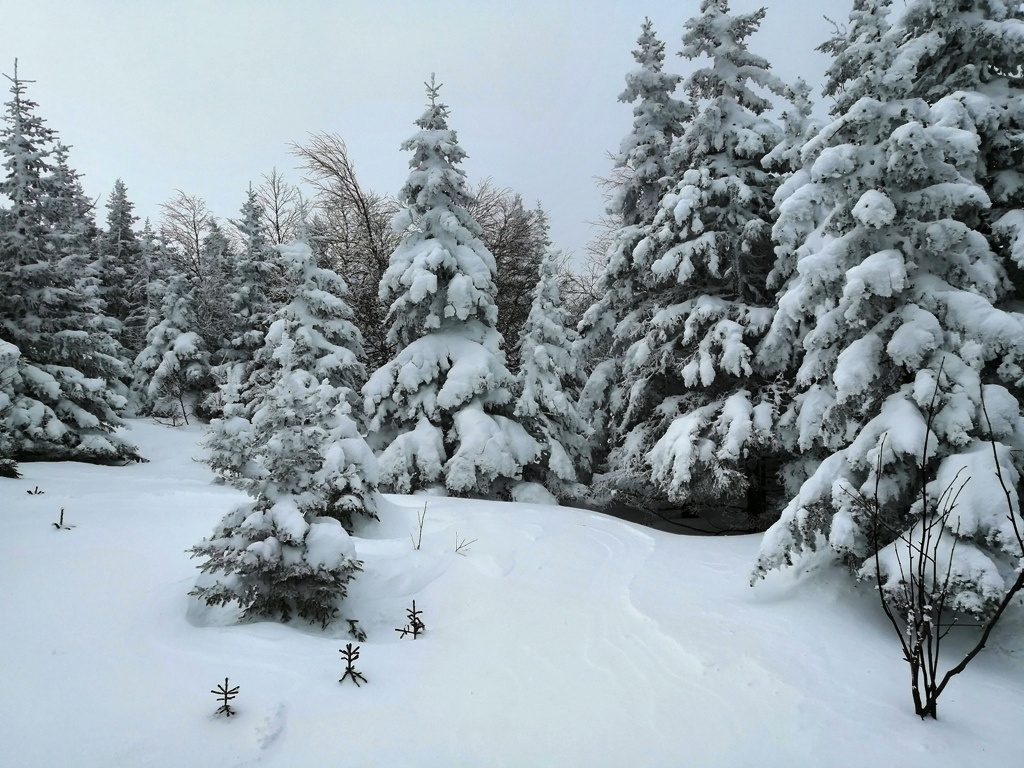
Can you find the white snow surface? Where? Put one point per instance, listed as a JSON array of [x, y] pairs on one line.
[[561, 638]]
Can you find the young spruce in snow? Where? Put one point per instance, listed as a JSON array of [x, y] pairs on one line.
[[300, 455], [438, 406], [172, 372], [887, 278]]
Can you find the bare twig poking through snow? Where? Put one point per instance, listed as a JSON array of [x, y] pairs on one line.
[[415, 627], [349, 654], [35, 492], [59, 525], [462, 546], [919, 576], [225, 694], [417, 541]]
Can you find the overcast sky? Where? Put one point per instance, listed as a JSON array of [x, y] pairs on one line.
[[206, 96]]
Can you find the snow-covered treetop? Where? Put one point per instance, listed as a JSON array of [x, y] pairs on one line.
[[435, 182], [325, 341], [26, 144], [860, 54], [121, 219], [720, 36], [658, 118], [441, 273]]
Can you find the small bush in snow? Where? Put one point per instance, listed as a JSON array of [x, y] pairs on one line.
[[932, 574]]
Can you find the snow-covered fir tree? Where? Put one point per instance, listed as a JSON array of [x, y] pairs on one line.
[[299, 453], [893, 316], [172, 372], [156, 271], [645, 170], [696, 424], [253, 276], [323, 341], [210, 292], [549, 382], [974, 52], [438, 406], [66, 397], [121, 270], [250, 277]]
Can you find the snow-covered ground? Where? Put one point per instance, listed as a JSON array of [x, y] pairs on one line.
[[560, 638]]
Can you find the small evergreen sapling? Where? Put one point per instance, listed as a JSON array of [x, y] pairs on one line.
[[225, 693], [350, 654], [59, 525], [415, 627]]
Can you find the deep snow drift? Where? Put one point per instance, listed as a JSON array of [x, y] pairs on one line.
[[561, 638]]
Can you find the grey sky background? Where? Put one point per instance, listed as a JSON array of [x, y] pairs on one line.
[[206, 96]]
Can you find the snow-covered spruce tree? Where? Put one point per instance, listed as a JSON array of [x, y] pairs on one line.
[[251, 276], [645, 170], [890, 315], [121, 269], [156, 273], [66, 397], [210, 292], [324, 342], [973, 51], [172, 372], [437, 407], [697, 421], [549, 381], [301, 457]]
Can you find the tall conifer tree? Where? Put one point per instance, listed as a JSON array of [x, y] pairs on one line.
[[549, 381], [437, 407], [645, 170], [894, 311], [122, 274], [696, 422], [66, 400]]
